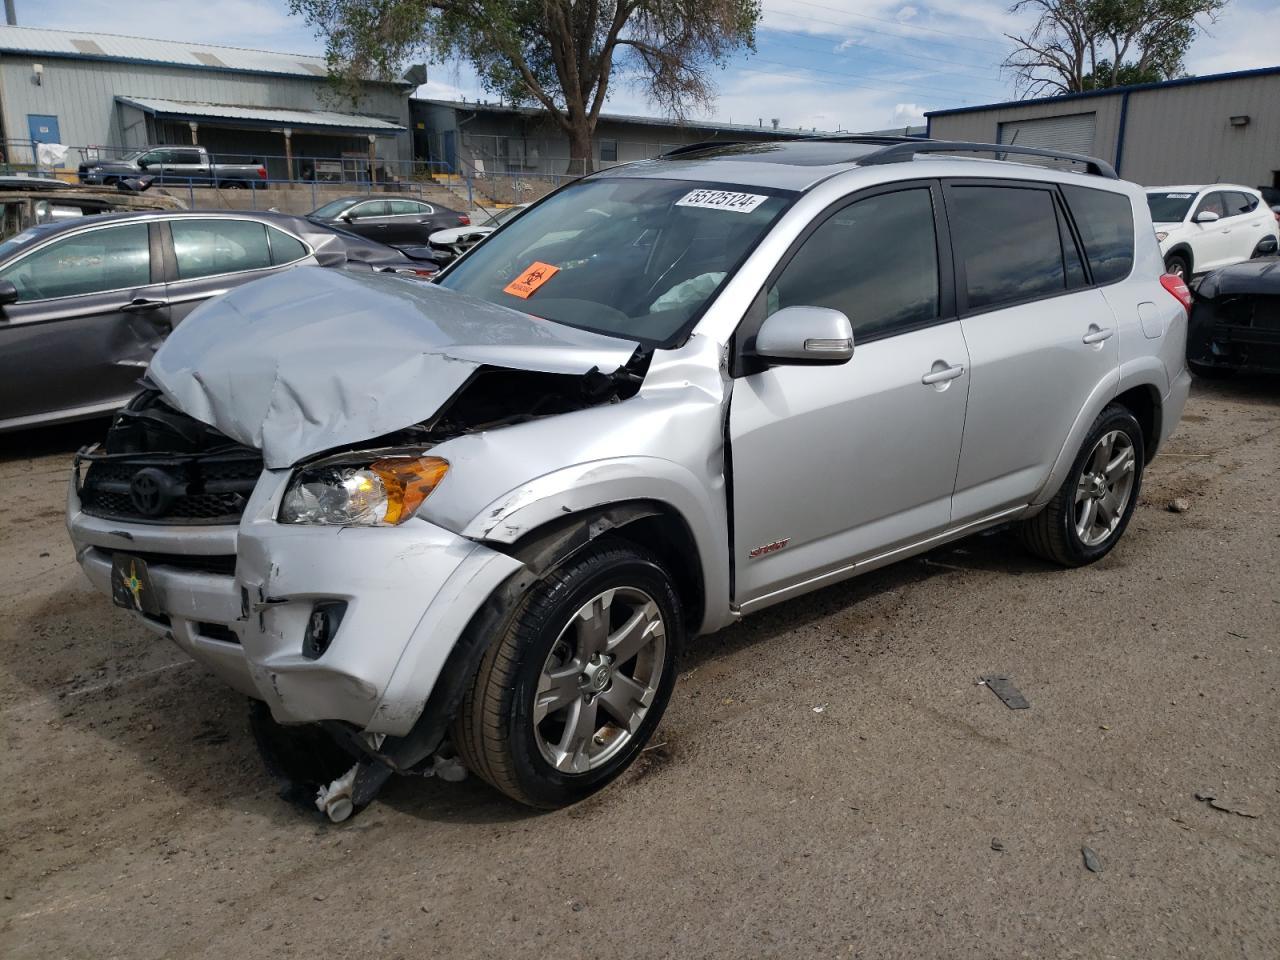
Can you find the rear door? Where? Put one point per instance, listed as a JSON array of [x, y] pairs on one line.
[[1041, 340], [208, 256], [90, 314], [832, 464], [1251, 223], [409, 221]]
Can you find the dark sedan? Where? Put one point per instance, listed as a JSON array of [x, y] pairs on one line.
[[394, 220], [85, 303], [1235, 320]]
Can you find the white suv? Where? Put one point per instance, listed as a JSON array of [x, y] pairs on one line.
[[1203, 228]]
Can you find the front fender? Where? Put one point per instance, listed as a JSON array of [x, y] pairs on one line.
[[584, 486]]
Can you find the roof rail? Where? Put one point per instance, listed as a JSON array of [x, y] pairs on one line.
[[886, 139], [703, 145], [899, 152]]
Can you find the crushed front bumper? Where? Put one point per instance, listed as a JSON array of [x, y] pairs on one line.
[[239, 600]]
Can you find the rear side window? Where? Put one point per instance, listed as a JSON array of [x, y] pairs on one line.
[[1105, 222], [876, 261], [1007, 240], [1239, 203], [206, 248], [284, 248]]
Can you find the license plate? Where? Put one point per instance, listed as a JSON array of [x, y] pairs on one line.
[[131, 586]]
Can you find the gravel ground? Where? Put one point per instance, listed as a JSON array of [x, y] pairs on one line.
[[829, 779]]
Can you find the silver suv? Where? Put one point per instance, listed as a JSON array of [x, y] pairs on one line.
[[478, 519]]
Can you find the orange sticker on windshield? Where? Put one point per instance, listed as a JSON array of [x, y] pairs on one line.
[[530, 280]]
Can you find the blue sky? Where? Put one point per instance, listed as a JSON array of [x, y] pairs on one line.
[[830, 64]]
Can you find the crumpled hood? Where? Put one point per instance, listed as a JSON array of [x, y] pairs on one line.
[[1259, 277], [313, 358]]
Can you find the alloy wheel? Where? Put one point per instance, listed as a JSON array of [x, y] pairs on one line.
[[1104, 488], [599, 679]]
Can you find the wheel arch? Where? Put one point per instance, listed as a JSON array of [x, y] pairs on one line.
[[1143, 401], [1182, 250]]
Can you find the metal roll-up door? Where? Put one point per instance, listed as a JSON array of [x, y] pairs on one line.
[[1073, 134]]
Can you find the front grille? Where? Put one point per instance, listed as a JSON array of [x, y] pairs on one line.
[[209, 489]]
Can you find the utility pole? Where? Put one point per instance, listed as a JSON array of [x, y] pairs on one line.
[[10, 15]]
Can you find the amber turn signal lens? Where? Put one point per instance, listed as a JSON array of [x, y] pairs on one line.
[[408, 482]]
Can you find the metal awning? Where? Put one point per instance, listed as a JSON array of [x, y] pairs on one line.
[[237, 115]]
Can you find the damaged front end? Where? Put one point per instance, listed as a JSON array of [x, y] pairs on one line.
[[255, 508]]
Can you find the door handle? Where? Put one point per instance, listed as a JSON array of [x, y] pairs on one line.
[[1097, 334], [943, 375], [139, 304]]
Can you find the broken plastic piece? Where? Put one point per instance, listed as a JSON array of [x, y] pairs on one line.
[[1003, 688], [334, 801], [449, 769]]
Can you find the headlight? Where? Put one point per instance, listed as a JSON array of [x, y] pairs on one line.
[[1160, 235], [382, 493]]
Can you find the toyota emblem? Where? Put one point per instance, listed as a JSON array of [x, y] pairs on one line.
[[150, 492]]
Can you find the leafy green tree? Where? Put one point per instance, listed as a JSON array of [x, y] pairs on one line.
[[1078, 45], [558, 54]]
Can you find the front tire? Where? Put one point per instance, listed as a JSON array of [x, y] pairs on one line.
[[1089, 513], [1178, 265], [569, 693]]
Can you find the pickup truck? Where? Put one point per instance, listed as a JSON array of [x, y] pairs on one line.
[[174, 165]]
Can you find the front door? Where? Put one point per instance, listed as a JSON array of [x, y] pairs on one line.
[[1041, 341], [90, 314], [833, 464], [1212, 243]]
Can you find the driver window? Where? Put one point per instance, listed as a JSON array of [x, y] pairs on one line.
[[876, 261], [116, 258], [1212, 204]]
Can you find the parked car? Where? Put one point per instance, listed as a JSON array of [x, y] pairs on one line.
[[484, 514], [27, 202], [1235, 320], [84, 303], [387, 219], [1203, 228], [185, 165], [450, 244]]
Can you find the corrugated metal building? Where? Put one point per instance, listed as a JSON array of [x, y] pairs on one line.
[[497, 138], [116, 93], [1222, 127]]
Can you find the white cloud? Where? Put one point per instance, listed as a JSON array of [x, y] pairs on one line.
[[906, 13], [908, 115], [846, 44]]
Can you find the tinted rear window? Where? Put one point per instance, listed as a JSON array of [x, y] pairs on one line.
[[1105, 221], [1007, 239]]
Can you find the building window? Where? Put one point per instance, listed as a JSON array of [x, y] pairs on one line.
[[609, 151]]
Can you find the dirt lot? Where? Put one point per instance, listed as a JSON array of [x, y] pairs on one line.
[[830, 780]]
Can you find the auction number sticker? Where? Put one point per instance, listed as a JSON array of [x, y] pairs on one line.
[[722, 200], [525, 285], [1179, 196]]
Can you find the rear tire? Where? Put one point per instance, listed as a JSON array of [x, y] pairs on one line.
[[575, 684], [1178, 265], [1089, 513]]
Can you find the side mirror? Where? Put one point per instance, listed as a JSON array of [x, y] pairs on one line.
[[8, 293], [346, 218], [1206, 216], [805, 335]]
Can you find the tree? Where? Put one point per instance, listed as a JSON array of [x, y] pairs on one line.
[[1078, 45], [558, 54]]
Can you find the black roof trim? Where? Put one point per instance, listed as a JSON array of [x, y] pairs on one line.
[[907, 149]]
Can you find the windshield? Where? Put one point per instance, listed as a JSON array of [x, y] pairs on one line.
[[634, 258], [1169, 207], [331, 209]]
